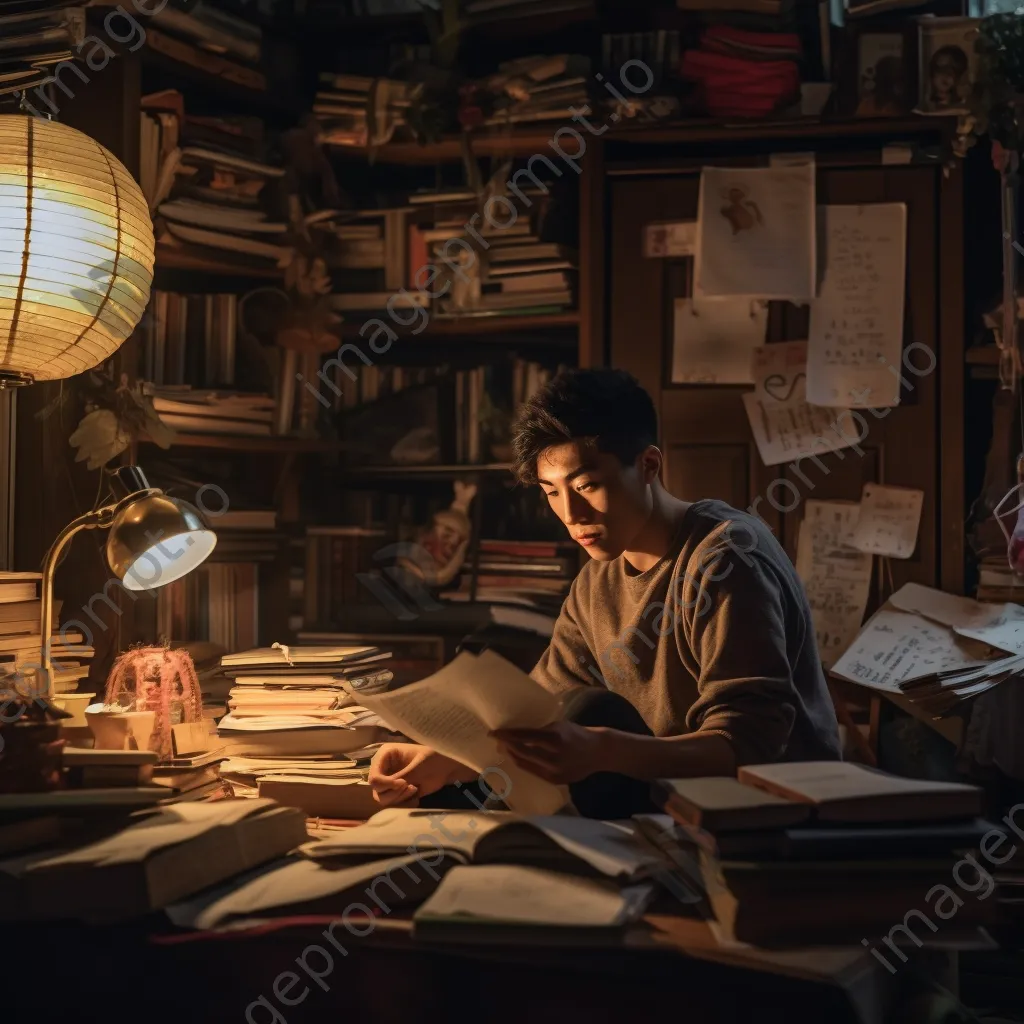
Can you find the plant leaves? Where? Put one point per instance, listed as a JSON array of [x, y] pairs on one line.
[[99, 438]]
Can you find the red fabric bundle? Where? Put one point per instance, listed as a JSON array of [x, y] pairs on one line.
[[736, 76]]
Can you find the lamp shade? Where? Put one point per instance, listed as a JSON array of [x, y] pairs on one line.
[[76, 251], [156, 540]]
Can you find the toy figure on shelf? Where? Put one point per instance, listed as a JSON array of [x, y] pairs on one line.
[[442, 545], [159, 680]]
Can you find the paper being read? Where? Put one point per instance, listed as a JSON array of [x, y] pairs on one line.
[[784, 425], [454, 709], [836, 577], [889, 520], [854, 358], [714, 340], [896, 646], [756, 233]]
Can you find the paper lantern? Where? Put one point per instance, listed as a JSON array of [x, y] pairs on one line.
[[76, 251]]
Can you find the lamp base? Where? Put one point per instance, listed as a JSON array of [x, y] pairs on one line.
[[13, 379]]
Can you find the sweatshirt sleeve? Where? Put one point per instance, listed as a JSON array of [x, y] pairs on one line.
[[563, 665], [737, 634]]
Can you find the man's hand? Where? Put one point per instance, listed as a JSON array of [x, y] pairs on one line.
[[401, 773], [561, 753]]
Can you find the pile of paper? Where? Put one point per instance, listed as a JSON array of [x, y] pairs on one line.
[[936, 649], [296, 702]]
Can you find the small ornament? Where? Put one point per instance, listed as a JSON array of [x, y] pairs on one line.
[[159, 680], [444, 541]]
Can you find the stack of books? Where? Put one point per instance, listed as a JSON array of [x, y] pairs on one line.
[[659, 50], [203, 411], [190, 338], [526, 277], [210, 188], [483, 387], [178, 778], [144, 865], [218, 602], [531, 573], [21, 642], [538, 89], [827, 852], [295, 702], [335, 558], [34, 41], [343, 105], [213, 29]]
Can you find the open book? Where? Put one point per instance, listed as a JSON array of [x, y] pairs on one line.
[[454, 710], [555, 842]]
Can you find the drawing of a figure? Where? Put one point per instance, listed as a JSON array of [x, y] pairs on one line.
[[742, 213]]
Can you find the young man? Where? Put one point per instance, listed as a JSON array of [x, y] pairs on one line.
[[689, 611]]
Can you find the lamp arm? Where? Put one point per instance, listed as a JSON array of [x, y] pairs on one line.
[[90, 521]]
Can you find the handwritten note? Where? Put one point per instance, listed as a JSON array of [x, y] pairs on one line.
[[1001, 625], [896, 646], [714, 340], [784, 425], [756, 233], [856, 329], [836, 577], [889, 520]]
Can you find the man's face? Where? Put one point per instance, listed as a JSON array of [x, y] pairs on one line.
[[603, 504]]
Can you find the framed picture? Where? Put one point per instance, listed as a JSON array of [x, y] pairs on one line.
[[947, 64], [882, 78]]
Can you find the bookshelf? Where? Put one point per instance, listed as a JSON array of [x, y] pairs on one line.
[[301, 470]]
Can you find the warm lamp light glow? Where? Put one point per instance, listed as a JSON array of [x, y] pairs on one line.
[[76, 251]]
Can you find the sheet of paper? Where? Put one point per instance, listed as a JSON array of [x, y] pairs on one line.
[[714, 340], [454, 709], [836, 577], [784, 425], [889, 520], [895, 646], [756, 233], [523, 895], [1001, 625], [670, 238], [855, 354]]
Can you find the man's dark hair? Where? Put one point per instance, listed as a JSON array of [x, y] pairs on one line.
[[607, 408]]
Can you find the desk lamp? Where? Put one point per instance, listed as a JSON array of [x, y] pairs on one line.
[[154, 540]]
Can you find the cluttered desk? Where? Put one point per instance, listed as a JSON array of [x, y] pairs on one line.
[[833, 882]]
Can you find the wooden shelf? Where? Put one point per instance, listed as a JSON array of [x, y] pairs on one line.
[[445, 472], [475, 326], [231, 443], [982, 355], [535, 139], [169, 258]]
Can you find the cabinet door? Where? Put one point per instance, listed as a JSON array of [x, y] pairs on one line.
[[708, 446]]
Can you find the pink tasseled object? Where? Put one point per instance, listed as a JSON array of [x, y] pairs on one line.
[[159, 680]]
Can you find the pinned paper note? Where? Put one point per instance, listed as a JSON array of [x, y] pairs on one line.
[[856, 331], [896, 646], [714, 340], [889, 520], [756, 233], [670, 238], [836, 577], [784, 425]]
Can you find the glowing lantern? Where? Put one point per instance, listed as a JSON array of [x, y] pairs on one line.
[[76, 251]]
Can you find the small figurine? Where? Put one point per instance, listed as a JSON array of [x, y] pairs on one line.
[[443, 544]]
